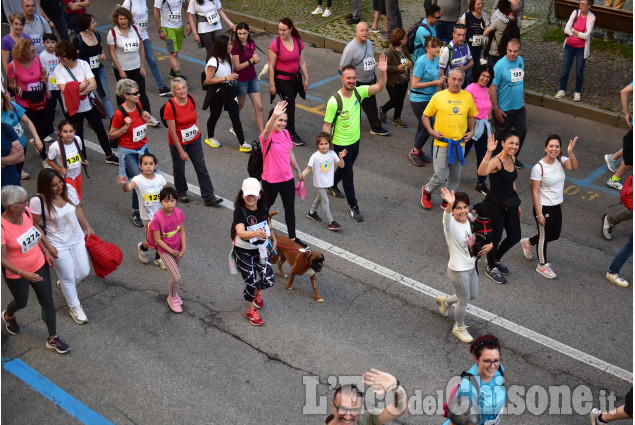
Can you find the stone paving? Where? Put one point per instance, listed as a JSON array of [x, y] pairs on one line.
[[607, 70]]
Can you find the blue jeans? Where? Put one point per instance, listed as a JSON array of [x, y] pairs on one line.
[[571, 53], [621, 257], [346, 174], [103, 80], [195, 153], [152, 63], [129, 167]]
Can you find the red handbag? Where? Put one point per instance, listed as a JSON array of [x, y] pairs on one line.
[[105, 256]]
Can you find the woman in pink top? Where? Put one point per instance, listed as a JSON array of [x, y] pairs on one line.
[[278, 159], [576, 46], [286, 69], [482, 129]]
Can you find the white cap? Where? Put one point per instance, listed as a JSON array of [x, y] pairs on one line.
[[251, 186]]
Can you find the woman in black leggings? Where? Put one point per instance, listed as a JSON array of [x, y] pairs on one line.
[[502, 200]]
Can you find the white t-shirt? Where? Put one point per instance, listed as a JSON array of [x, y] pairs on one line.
[[208, 10], [126, 48], [171, 12], [222, 70], [81, 72], [73, 157], [323, 167], [62, 228], [50, 61], [458, 236], [139, 12], [551, 178], [148, 194]]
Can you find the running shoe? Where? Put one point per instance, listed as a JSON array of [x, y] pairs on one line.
[[258, 302], [617, 279], [560, 94], [112, 159], [11, 325], [335, 192], [519, 164], [143, 255], [304, 246], [232, 131], [415, 158], [612, 164], [546, 271], [136, 219], [297, 140], [245, 147], [381, 131], [444, 204], [318, 11], [576, 97], [461, 333], [617, 185], [174, 305], [443, 307], [482, 187], [159, 262], [357, 216], [213, 143], [253, 317], [501, 267], [24, 175], [153, 122], [214, 200], [594, 415], [335, 226], [184, 199], [55, 343], [526, 248], [426, 199], [314, 216], [373, 29], [353, 21], [607, 228], [383, 36], [399, 123], [495, 275], [78, 315], [165, 91], [327, 13]]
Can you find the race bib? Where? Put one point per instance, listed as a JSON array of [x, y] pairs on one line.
[[212, 17], [263, 225], [131, 46], [37, 40], [142, 25], [52, 84], [74, 161], [29, 239], [517, 75], [478, 40], [94, 62], [369, 64], [189, 133], [151, 199], [34, 86], [18, 130], [174, 17], [139, 133]]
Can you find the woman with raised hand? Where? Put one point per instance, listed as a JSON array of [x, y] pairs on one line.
[[204, 17], [244, 59]]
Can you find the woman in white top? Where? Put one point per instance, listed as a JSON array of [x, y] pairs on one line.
[[204, 17], [461, 267], [127, 53], [547, 189], [57, 211]]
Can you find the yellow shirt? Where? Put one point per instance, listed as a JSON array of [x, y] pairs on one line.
[[451, 112]]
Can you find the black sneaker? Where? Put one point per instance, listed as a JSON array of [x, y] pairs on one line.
[[335, 192], [302, 244], [519, 164], [112, 159], [165, 91], [184, 199], [357, 216], [481, 187], [495, 275], [501, 267], [215, 200], [55, 343], [381, 131], [136, 219], [11, 324], [334, 226], [314, 216], [353, 21], [296, 140]]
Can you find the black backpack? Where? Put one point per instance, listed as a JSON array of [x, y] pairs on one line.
[[162, 110], [256, 158], [412, 33], [115, 142], [338, 99], [82, 154]]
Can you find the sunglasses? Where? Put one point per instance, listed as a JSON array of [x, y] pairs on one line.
[[134, 94]]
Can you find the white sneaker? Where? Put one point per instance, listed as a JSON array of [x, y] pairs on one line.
[[159, 262], [48, 139], [526, 248], [245, 147], [546, 271], [617, 279], [607, 228], [317, 11], [560, 94], [576, 97], [231, 130], [327, 13], [153, 122], [443, 307], [213, 143], [24, 175], [595, 412], [78, 315], [612, 164], [462, 334], [143, 255], [614, 185]]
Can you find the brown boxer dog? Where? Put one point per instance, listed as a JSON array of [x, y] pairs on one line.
[[301, 262]]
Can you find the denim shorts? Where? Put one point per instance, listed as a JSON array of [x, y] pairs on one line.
[[244, 87]]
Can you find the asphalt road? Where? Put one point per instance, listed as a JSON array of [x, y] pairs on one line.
[[137, 362]]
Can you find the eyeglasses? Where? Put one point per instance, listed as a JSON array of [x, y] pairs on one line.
[[495, 362], [344, 411], [134, 94], [21, 202]]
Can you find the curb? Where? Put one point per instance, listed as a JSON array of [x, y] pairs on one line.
[[569, 107]]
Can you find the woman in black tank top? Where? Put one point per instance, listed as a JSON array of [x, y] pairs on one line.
[[503, 201]]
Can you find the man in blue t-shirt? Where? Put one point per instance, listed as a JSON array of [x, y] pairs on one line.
[[427, 29], [12, 154], [507, 96]]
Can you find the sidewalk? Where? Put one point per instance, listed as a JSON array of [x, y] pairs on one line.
[[608, 69]]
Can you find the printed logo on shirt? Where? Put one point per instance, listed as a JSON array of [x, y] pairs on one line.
[[325, 165], [455, 110], [251, 220]]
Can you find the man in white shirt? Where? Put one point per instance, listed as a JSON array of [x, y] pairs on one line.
[[168, 15]]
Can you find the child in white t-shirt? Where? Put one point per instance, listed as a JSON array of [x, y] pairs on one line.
[[147, 185], [66, 155], [323, 162], [50, 61]]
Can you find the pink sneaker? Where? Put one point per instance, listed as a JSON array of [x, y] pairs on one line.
[[258, 302], [178, 300], [174, 305], [253, 317]]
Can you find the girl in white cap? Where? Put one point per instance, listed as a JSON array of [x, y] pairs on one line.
[[250, 231]]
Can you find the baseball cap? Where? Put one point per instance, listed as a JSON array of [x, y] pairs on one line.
[[251, 186]]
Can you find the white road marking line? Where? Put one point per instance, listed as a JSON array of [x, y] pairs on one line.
[[431, 292]]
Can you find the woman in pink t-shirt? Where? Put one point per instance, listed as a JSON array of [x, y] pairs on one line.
[[286, 69], [576, 46], [482, 128], [278, 159]]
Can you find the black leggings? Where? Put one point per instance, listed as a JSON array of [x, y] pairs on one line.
[[92, 116], [20, 291], [287, 194], [502, 218], [225, 96], [288, 93], [135, 75], [397, 95], [551, 231]]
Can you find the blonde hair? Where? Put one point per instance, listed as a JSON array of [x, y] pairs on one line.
[[125, 85], [175, 82]]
